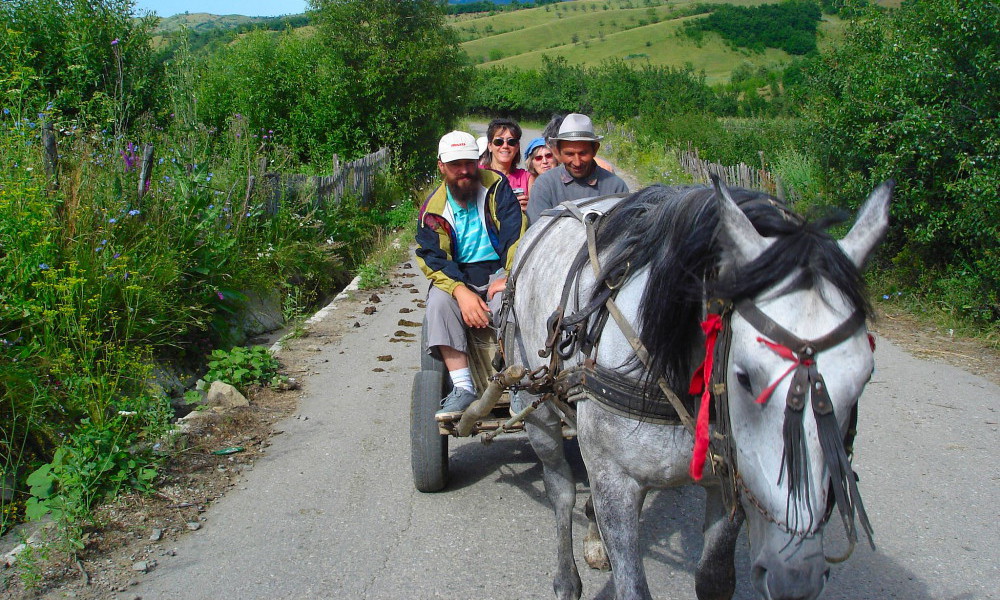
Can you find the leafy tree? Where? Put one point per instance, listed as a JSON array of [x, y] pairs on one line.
[[914, 94], [85, 58], [789, 26], [403, 72]]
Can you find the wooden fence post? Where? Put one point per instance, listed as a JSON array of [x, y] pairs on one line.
[[146, 172], [51, 155]]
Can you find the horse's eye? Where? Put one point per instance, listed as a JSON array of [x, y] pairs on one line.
[[744, 380]]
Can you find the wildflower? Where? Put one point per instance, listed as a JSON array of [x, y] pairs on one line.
[[6, 111], [116, 256], [211, 206], [112, 220], [885, 296], [114, 42], [43, 267], [133, 212], [221, 297]]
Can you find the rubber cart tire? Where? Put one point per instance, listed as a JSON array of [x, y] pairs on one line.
[[428, 448]]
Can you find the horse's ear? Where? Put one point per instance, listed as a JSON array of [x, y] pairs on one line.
[[738, 233], [870, 228]]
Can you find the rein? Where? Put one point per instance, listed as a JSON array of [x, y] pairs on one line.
[[568, 335], [807, 380]]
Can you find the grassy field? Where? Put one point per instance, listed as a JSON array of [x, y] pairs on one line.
[[588, 32]]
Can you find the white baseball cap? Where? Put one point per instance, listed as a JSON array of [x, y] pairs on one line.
[[457, 145], [482, 142]]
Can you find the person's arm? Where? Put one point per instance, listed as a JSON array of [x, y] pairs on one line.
[[475, 312], [435, 262]]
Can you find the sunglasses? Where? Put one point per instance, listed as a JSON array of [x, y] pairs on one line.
[[510, 142], [541, 157]]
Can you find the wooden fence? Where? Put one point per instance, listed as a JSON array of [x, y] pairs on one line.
[[741, 175], [355, 178]]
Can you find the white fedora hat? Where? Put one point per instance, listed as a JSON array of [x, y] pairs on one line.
[[577, 128]]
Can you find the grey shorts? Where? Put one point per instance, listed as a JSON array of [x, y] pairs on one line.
[[444, 323]]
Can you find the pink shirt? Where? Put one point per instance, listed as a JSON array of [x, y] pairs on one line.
[[518, 179]]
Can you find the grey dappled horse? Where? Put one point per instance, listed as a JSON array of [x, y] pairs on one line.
[[668, 249]]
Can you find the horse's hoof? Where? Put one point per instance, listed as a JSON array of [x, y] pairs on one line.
[[594, 554]]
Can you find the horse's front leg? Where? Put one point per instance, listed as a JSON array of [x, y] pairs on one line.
[[544, 429], [618, 501], [715, 578]]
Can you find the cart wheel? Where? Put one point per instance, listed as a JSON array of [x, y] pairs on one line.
[[428, 448]]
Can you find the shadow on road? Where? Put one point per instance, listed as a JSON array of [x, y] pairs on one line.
[[671, 530]]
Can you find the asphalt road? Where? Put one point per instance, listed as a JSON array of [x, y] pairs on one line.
[[331, 512]]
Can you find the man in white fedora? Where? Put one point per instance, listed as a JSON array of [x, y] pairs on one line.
[[578, 176], [467, 233]]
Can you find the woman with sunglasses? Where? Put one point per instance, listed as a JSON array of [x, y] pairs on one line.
[[539, 159], [504, 154]]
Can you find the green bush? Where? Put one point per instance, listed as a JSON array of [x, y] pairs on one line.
[[789, 25], [242, 367], [87, 59], [913, 95]]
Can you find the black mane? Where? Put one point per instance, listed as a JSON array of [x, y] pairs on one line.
[[673, 232]]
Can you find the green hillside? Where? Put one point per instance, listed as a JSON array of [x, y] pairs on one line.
[[588, 32], [202, 22]]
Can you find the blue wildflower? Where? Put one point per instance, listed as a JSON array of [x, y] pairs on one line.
[[43, 267], [112, 220], [6, 111], [133, 212], [885, 296], [117, 256]]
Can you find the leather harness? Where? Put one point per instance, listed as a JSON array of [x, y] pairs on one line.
[[625, 396]]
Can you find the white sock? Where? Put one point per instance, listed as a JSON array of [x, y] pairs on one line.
[[462, 378]]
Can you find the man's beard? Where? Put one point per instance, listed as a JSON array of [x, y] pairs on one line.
[[463, 191]]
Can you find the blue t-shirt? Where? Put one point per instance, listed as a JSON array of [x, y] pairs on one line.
[[473, 241]]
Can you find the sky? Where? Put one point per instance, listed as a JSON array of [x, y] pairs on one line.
[[250, 8]]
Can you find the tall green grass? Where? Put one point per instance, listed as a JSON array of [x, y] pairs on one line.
[[98, 283]]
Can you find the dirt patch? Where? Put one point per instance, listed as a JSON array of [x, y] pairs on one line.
[[132, 533], [932, 343]]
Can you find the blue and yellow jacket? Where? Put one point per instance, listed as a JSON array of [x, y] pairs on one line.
[[503, 220]]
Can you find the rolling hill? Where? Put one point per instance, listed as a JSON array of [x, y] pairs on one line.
[[588, 32]]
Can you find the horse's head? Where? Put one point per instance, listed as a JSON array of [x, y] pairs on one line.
[[799, 360]]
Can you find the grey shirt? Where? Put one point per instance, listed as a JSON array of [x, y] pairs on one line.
[[555, 186]]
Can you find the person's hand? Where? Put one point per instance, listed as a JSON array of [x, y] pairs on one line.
[[496, 287], [474, 310]]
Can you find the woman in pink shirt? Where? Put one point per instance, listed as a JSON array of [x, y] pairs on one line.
[[504, 154]]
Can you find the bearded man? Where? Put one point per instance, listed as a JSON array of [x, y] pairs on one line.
[[467, 233]]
